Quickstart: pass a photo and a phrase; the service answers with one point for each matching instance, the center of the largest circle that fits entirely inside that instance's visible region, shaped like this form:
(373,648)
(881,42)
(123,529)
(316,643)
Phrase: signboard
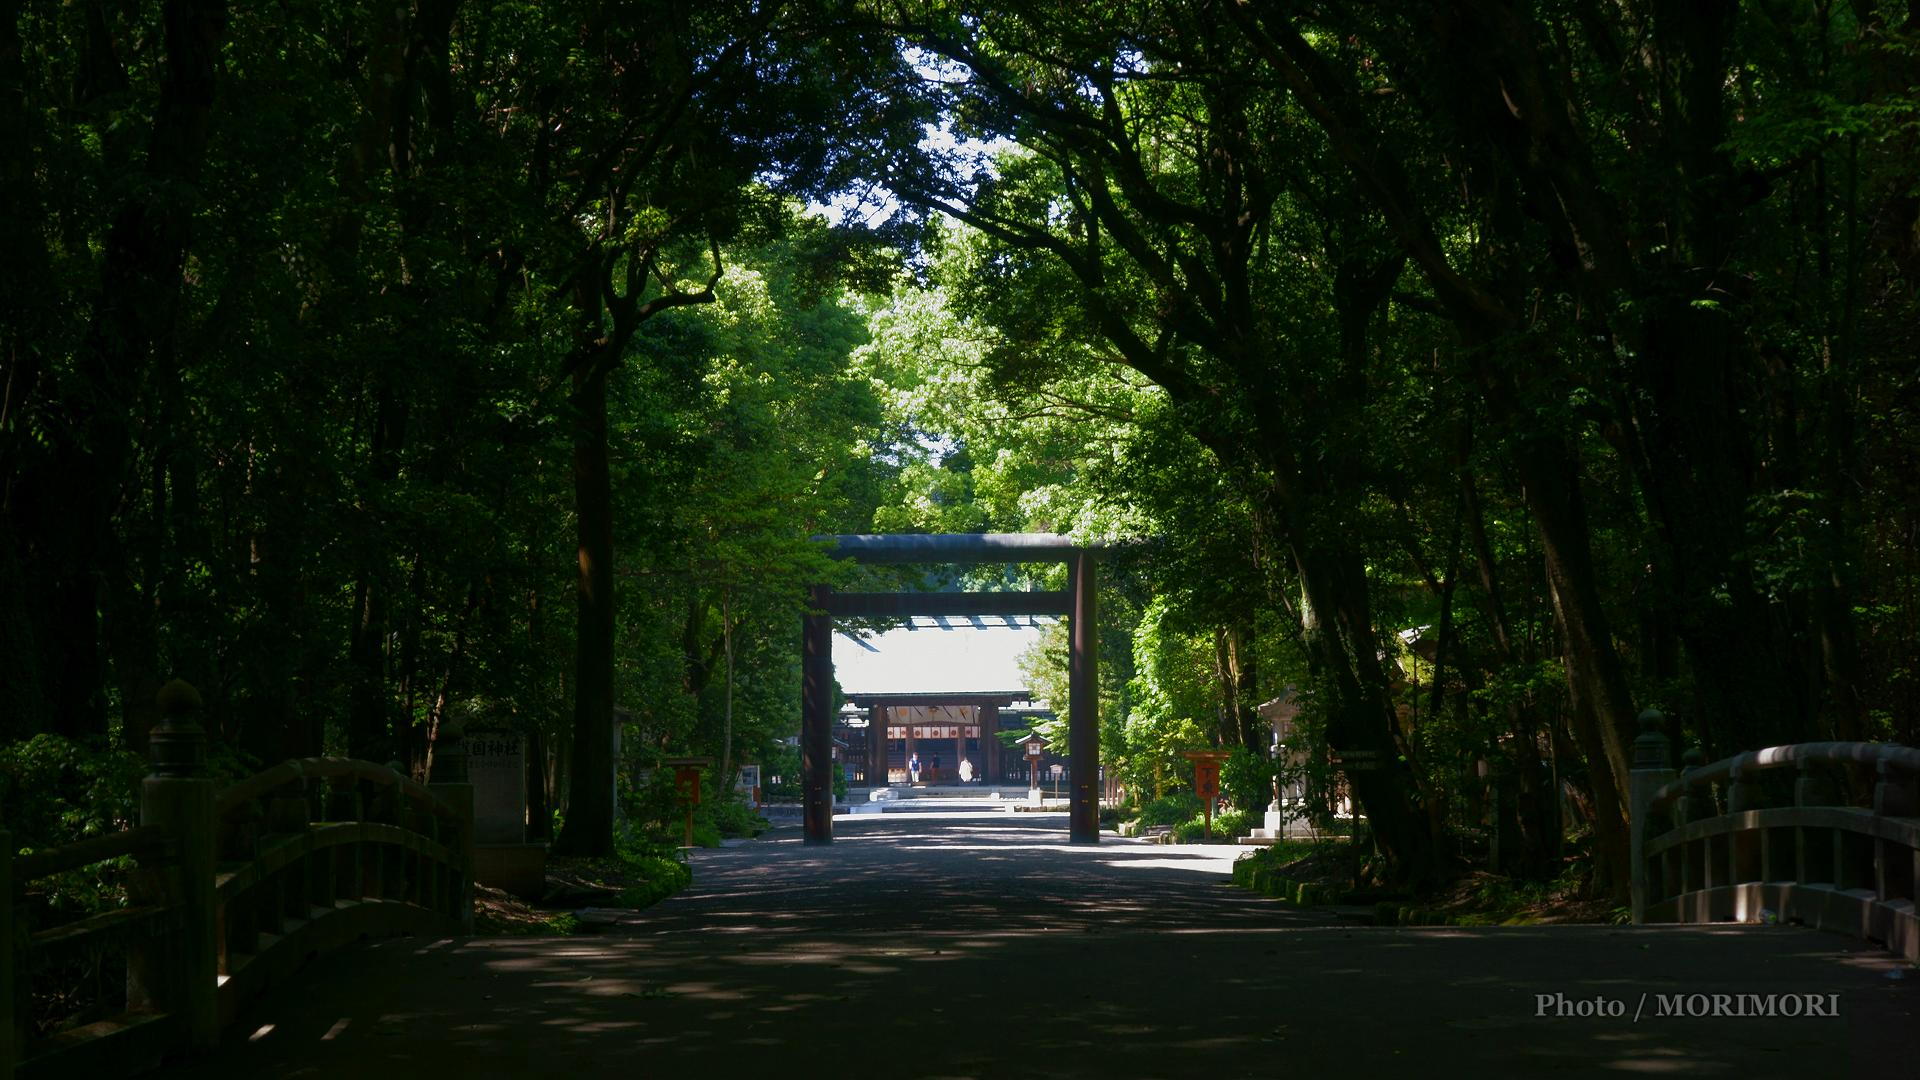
(1056,770)
(921,715)
(1357,760)
(1206,780)
(686,780)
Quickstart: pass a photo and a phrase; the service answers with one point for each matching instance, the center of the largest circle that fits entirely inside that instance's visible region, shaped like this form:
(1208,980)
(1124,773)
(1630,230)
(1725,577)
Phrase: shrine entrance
(1076,603)
(944,729)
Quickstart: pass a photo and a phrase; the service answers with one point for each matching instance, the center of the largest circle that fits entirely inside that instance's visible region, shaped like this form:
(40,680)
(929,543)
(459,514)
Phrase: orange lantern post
(686,777)
(1206,779)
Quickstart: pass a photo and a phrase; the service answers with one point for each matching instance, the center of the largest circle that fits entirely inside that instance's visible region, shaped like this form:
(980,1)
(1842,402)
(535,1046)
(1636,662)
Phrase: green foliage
(1225,827)
(655,816)
(1172,809)
(664,877)
(1284,853)
(781,764)
(1246,779)
(657,867)
(323,466)
(733,818)
(59,790)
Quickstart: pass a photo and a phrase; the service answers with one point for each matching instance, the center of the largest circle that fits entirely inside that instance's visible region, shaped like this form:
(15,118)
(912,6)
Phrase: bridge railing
(230,893)
(1826,834)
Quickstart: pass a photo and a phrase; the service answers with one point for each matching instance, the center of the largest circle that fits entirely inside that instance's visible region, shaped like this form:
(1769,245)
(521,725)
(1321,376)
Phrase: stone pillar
(816,721)
(1083,703)
(876,746)
(1893,796)
(452,785)
(179,973)
(1652,770)
(990,744)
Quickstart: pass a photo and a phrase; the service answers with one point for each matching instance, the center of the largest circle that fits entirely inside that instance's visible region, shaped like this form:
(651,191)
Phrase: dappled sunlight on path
(982,945)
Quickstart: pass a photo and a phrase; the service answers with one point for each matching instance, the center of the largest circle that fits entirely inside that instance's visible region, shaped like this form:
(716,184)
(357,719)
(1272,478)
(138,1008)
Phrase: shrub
(1225,826)
(783,763)
(662,877)
(655,810)
(54,791)
(58,790)
(732,818)
(656,869)
(1246,779)
(1170,809)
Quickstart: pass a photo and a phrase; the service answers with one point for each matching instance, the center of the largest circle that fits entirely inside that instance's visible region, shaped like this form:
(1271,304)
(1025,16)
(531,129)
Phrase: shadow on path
(972,944)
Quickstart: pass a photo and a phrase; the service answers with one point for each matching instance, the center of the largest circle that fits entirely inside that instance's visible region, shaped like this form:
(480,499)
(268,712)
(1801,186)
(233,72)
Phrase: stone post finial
(177,747)
(450,754)
(1652,747)
(1692,759)
(1893,792)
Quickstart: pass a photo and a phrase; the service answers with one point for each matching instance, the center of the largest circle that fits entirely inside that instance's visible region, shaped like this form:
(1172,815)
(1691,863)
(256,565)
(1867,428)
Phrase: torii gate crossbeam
(1076,603)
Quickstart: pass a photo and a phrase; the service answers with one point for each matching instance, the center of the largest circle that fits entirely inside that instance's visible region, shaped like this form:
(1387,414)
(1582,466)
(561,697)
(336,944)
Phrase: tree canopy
(1482,374)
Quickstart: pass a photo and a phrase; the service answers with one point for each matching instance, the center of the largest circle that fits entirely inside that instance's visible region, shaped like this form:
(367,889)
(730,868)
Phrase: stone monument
(497,768)
(502,857)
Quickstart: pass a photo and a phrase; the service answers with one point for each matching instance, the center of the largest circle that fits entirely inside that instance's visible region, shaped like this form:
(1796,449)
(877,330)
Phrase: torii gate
(1076,603)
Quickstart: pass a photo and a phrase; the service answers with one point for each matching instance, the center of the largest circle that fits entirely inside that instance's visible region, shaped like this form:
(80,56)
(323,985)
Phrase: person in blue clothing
(913,769)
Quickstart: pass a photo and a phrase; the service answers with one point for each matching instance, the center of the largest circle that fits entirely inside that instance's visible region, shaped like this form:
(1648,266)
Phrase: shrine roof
(957,697)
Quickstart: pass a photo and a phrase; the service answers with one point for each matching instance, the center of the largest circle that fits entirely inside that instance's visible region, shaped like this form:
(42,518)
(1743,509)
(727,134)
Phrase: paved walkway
(976,944)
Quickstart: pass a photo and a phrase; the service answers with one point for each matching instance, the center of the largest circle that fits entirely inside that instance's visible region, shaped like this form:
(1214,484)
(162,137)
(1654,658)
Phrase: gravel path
(979,944)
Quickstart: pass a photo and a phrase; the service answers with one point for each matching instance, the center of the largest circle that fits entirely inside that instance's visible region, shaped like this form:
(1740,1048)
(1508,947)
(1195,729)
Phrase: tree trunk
(369,717)
(589,825)
(1594,673)
(1345,654)
(1609,812)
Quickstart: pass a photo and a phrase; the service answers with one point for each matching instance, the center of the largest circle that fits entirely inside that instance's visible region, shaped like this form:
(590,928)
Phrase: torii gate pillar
(1083,703)
(816,722)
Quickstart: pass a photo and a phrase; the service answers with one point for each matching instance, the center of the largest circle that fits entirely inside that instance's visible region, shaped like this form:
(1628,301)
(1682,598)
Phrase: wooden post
(180,974)
(990,765)
(453,787)
(1083,703)
(816,722)
(876,747)
(1652,770)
